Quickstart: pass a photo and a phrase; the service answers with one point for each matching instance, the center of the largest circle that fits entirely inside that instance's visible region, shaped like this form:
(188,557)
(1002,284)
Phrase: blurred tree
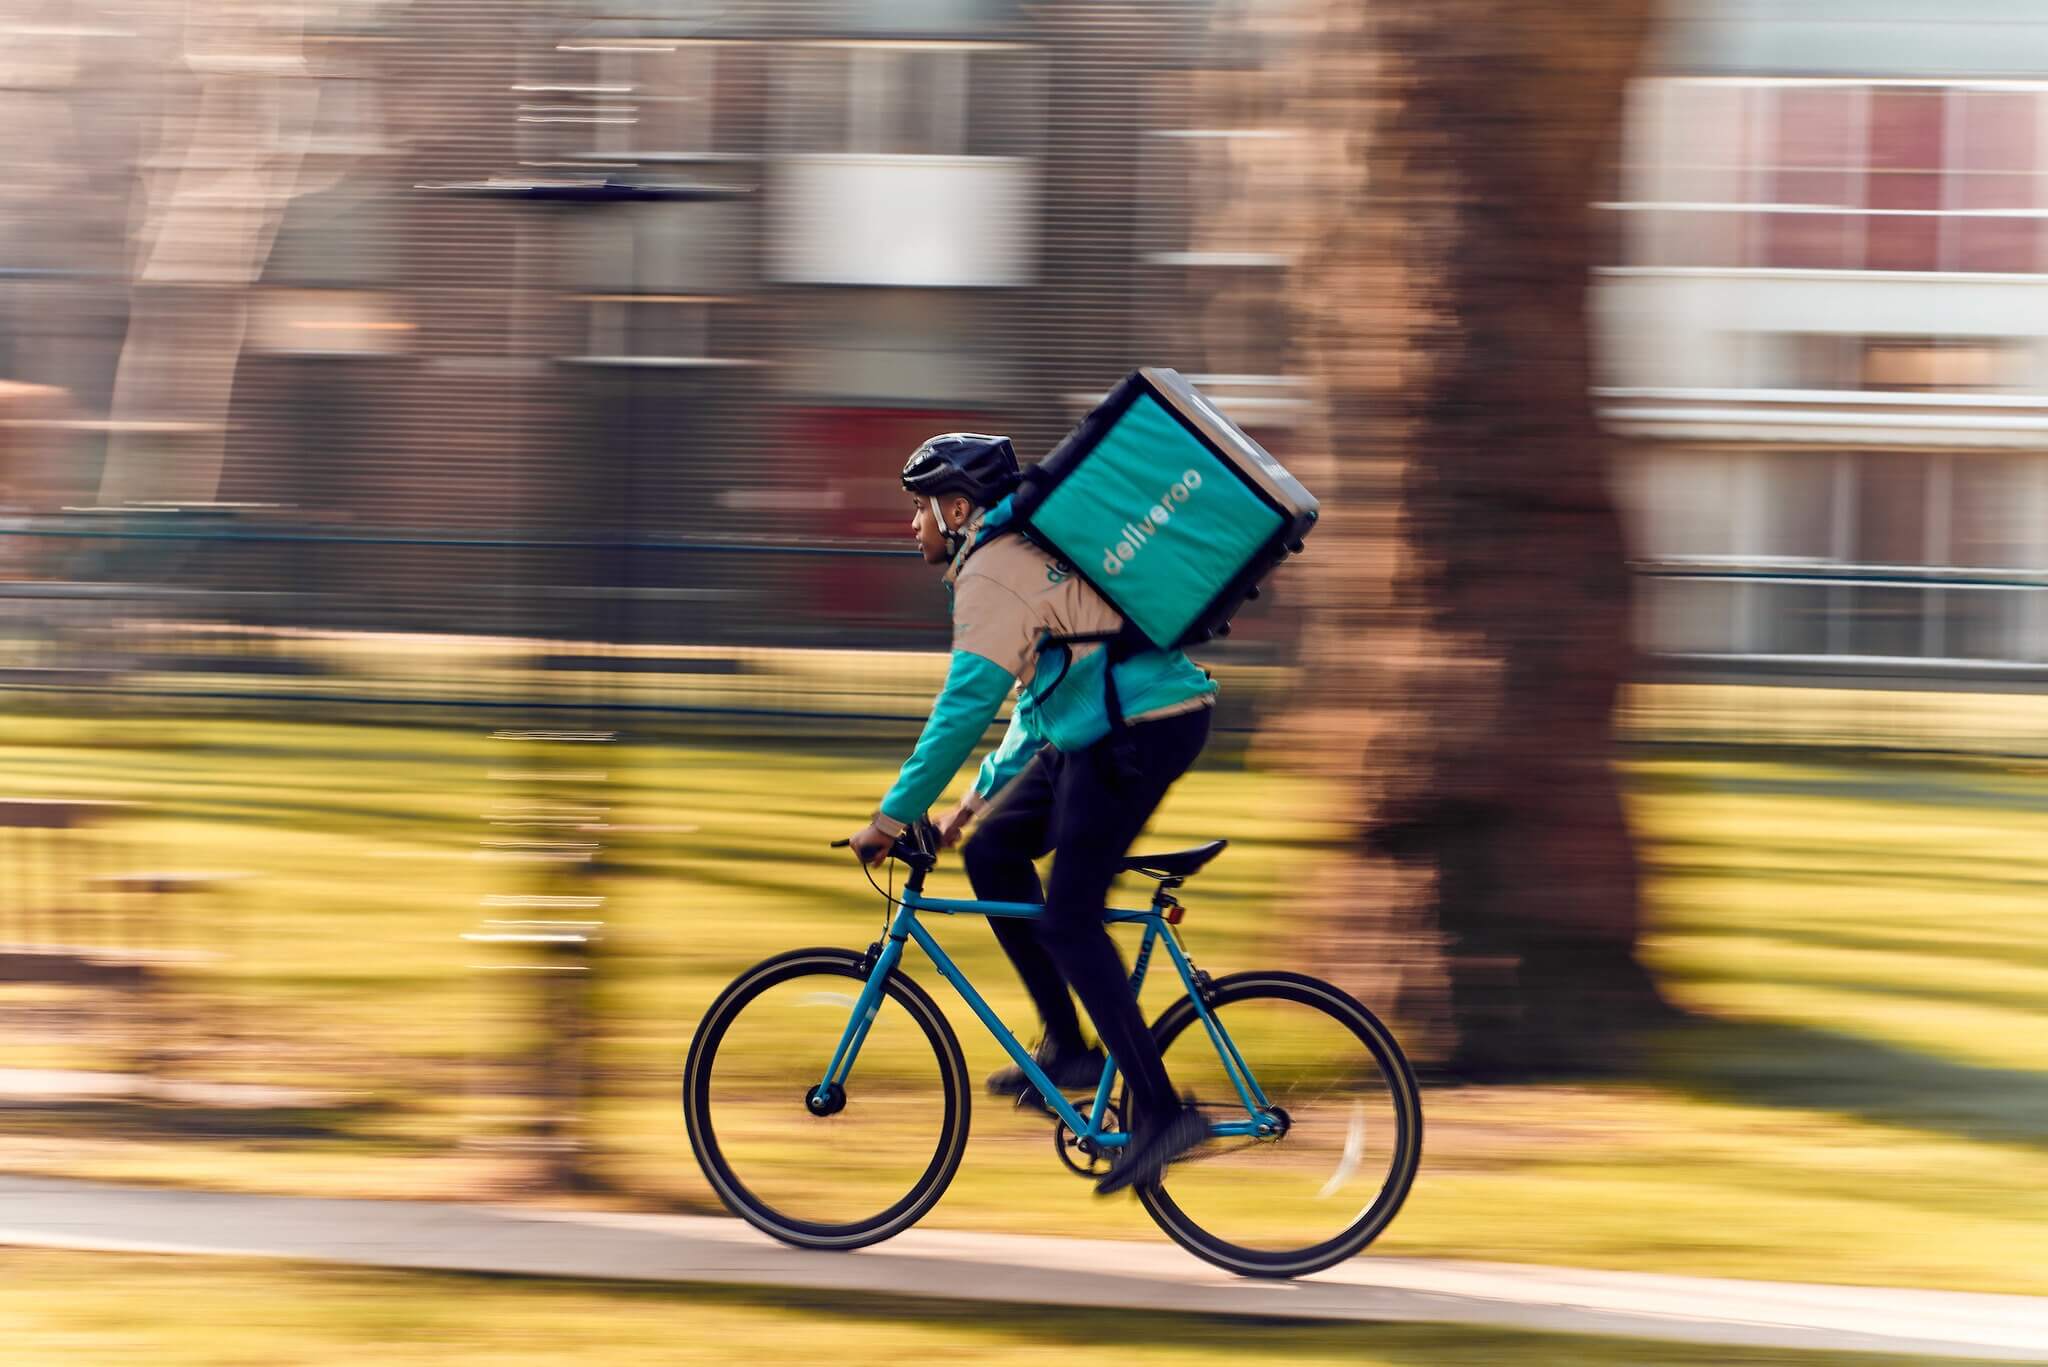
(1473,609)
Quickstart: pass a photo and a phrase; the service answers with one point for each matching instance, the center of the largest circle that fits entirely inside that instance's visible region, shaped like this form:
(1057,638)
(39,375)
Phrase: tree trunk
(1474,611)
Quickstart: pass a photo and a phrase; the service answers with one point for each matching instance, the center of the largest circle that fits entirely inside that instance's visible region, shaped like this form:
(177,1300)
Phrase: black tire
(950,1135)
(1383,1075)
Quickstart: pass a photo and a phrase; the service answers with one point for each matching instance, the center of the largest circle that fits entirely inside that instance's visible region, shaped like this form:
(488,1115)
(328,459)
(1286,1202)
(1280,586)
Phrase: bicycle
(802,1148)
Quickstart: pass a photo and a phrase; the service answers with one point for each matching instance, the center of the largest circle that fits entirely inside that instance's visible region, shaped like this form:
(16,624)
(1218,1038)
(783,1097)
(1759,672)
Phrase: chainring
(1081,1157)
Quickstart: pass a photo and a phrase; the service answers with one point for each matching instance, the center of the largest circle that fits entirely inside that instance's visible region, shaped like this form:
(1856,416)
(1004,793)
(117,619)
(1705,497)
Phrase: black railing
(197,613)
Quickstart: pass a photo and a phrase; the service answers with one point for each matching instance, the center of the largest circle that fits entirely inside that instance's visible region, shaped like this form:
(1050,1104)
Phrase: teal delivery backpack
(1165,508)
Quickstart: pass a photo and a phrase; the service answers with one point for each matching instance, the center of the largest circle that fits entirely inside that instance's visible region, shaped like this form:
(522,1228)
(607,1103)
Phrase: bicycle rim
(869,1170)
(1333,1181)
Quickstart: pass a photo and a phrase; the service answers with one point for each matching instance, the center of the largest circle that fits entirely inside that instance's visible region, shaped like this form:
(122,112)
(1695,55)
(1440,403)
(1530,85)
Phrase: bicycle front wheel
(883,1151)
(1351,1136)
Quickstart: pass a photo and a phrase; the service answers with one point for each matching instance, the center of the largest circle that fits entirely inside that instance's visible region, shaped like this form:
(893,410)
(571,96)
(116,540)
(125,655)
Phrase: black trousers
(1085,808)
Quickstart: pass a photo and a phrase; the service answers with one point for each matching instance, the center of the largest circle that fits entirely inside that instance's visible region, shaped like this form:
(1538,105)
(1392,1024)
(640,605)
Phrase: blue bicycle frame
(1260,1121)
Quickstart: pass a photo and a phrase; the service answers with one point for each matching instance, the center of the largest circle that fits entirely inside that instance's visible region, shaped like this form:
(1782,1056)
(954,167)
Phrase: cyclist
(1069,781)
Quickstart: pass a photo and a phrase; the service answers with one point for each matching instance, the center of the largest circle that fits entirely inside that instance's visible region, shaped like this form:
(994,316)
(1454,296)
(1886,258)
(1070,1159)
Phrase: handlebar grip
(841,844)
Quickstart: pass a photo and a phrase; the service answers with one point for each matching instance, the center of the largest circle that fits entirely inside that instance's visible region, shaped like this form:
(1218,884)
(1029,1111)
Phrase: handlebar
(918,846)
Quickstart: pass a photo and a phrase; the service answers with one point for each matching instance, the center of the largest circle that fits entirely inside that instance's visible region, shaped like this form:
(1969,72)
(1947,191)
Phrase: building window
(1994,524)
(1855,554)
(1935,365)
(1941,364)
(885,98)
(883,349)
(661,101)
(1834,175)
(1219,209)
(905,163)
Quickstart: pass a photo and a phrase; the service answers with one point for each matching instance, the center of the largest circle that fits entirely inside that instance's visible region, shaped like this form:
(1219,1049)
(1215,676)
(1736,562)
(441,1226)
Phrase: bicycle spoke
(1327,1184)
(879,1147)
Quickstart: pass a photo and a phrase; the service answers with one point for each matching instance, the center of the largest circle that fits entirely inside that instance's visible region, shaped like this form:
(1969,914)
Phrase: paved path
(49,1213)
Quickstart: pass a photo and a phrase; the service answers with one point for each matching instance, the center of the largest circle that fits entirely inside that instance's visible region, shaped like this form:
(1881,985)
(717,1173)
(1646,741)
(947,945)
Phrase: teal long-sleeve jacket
(1009,596)
(973,694)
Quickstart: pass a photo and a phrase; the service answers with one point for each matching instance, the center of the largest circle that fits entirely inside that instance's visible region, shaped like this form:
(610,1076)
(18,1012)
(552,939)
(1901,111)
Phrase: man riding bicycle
(1071,776)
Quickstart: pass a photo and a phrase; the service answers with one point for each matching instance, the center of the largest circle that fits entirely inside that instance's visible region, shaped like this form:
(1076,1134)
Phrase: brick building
(851,223)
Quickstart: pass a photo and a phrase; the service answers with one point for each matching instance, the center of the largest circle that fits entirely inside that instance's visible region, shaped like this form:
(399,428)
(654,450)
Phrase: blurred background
(449,522)
(378,317)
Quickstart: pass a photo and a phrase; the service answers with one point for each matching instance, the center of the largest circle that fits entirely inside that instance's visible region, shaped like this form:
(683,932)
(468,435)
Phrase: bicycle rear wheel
(876,1162)
(1331,1182)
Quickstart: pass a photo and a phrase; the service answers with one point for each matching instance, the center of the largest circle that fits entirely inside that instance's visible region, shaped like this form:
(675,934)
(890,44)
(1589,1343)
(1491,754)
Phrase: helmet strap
(954,539)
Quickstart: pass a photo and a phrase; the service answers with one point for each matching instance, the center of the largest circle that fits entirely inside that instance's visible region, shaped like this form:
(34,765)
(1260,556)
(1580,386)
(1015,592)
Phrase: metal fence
(222,609)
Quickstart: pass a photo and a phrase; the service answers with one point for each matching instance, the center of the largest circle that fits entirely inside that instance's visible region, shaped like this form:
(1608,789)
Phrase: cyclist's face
(931,537)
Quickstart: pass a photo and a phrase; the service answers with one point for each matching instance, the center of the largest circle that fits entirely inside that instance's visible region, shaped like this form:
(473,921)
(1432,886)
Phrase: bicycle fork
(830,1094)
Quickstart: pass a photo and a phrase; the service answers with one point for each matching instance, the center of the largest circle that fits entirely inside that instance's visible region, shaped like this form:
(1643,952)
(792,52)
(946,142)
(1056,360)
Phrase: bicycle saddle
(1177,864)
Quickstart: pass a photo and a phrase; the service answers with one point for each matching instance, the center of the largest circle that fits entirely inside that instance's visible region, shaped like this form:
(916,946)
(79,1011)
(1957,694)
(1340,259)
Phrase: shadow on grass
(1761,1063)
(1867,877)
(1953,948)
(1881,787)
(1942,777)
(994,1331)
(136,1118)
(179,1311)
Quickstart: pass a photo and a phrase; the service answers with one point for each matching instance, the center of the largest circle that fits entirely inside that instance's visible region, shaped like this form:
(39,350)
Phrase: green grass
(386,668)
(185,1313)
(1865,1098)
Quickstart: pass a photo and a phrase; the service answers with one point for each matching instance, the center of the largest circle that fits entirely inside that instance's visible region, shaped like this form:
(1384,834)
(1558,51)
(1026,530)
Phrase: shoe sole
(1126,1183)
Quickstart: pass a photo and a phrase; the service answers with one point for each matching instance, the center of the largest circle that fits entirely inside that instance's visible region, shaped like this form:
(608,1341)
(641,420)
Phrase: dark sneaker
(1069,1071)
(1152,1147)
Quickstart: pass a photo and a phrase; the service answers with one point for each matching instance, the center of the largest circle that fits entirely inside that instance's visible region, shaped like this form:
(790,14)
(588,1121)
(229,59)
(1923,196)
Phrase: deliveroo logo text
(1136,534)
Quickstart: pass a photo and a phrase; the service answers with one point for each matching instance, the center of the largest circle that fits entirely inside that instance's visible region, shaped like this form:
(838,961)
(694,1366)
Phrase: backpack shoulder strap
(1120,645)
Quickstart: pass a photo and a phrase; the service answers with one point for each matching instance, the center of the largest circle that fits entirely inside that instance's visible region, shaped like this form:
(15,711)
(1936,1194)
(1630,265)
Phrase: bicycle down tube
(904,926)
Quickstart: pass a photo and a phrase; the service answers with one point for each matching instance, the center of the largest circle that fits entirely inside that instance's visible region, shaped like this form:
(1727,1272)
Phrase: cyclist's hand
(871,843)
(953,825)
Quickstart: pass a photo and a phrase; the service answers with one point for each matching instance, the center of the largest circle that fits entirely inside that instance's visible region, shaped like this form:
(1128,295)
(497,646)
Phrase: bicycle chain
(1208,1151)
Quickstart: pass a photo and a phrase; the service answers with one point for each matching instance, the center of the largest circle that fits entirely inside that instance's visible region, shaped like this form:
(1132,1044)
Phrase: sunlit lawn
(1866,1099)
(63,1307)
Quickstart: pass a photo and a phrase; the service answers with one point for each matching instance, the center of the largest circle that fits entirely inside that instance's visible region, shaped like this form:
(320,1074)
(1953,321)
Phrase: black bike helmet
(983,468)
